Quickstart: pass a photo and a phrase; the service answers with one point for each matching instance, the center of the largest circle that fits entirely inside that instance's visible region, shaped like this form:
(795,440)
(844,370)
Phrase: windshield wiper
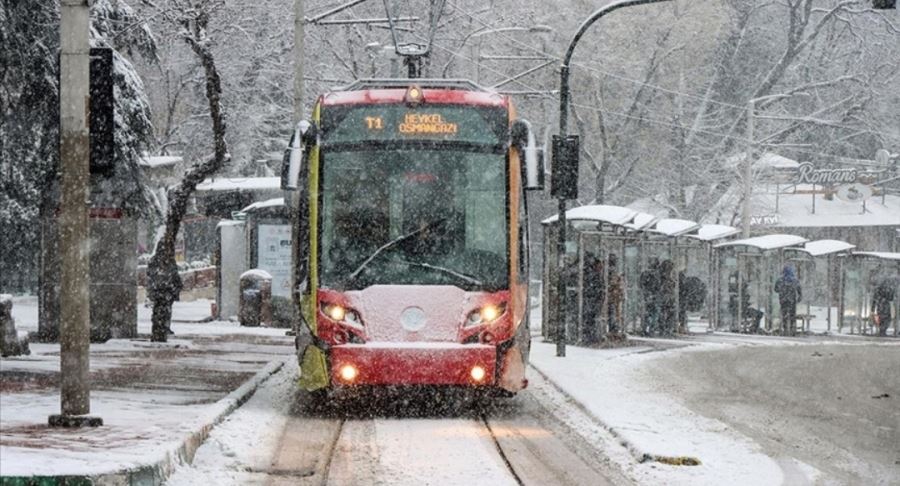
(387,246)
(468,278)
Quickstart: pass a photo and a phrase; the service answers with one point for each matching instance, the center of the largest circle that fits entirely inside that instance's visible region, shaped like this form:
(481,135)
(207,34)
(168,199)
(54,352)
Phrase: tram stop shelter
(818,269)
(862,273)
(695,254)
(747,270)
(599,245)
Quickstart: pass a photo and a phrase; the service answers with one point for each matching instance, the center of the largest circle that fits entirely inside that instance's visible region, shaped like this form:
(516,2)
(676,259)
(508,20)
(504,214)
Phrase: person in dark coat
(649,284)
(592,298)
(881,304)
(615,296)
(788,289)
(691,296)
(667,285)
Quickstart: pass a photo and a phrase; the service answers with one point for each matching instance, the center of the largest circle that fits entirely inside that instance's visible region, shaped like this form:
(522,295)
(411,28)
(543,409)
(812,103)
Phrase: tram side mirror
(522,137)
(303,138)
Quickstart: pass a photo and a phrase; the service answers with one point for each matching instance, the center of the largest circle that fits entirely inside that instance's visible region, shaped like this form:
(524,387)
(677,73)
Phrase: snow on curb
(610,388)
(639,455)
(155,473)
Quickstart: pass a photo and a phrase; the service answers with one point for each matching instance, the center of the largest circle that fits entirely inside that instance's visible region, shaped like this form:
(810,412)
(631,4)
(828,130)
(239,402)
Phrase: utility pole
(294,203)
(748,166)
(299,22)
(74,232)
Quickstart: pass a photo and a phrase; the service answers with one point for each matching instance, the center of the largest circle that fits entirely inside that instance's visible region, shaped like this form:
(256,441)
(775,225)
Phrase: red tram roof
(442,96)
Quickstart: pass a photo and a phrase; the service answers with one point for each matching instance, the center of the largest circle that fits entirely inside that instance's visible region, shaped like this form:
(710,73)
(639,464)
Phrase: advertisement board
(274,256)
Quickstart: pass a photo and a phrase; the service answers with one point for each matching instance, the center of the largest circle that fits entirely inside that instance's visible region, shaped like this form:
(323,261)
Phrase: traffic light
(564,173)
(102,117)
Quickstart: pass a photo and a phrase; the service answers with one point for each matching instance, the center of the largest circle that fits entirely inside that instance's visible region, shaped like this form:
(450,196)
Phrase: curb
(155,473)
(639,455)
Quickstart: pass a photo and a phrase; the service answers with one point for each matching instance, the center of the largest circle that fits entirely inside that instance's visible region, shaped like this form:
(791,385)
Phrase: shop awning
(767,242)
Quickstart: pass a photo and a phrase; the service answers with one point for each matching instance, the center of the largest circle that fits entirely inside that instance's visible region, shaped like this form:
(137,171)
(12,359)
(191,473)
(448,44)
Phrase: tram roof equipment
(424,83)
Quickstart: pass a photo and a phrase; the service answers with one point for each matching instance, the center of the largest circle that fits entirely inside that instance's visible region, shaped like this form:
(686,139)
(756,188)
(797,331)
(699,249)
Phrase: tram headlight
(343,315)
(349,373)
(478,373)
(486,314)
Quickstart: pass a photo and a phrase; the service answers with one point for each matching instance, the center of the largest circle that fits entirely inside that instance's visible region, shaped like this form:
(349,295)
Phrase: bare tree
(191,21)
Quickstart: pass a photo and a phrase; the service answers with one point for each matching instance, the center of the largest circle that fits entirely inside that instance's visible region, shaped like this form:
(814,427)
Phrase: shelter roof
(240,184)
(160,161)
(710,232)
(767,242)
(641,221)
(269,203)
(616,215)
(229,222)
(675,227)
(826,247)
(884,255)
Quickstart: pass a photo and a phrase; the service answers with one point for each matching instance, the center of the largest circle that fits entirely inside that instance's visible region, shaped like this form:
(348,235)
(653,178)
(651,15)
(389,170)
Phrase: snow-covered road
(431,439)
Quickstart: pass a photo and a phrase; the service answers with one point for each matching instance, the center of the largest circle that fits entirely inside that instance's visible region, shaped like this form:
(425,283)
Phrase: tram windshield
(407,216)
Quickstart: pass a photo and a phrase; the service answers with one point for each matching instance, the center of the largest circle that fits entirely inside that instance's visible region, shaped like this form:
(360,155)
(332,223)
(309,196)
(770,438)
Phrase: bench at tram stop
(805,321)
(255,307)
(10,342)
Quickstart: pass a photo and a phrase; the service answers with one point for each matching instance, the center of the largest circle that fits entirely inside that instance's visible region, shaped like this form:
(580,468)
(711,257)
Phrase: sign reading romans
(808,174)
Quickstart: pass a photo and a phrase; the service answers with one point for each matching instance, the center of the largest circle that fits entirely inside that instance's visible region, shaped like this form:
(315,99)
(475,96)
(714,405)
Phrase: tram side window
(484,206)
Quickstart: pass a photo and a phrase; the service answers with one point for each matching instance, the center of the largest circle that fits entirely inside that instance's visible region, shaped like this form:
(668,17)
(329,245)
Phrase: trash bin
(255,298)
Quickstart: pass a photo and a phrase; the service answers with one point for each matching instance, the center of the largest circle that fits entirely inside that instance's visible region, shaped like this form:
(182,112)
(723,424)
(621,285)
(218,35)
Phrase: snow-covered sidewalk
(611,388)
(158,401)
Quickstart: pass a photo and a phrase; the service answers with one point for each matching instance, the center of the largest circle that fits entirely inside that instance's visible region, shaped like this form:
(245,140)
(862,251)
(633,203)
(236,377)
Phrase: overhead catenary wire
(655,121)
(590,68)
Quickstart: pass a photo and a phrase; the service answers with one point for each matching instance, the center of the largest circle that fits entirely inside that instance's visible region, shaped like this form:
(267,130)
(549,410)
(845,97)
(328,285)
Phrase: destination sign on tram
(400,122)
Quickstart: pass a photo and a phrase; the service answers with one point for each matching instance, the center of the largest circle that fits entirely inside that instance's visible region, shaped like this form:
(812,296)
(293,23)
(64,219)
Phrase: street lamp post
(569,146)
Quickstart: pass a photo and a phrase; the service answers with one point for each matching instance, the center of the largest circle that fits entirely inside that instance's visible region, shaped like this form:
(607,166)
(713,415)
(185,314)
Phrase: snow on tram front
(412,236)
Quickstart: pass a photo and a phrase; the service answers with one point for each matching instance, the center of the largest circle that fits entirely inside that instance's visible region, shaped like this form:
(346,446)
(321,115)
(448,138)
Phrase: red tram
(412,236)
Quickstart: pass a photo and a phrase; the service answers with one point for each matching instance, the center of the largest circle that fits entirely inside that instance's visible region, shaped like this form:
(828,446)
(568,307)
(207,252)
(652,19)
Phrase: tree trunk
(164,283)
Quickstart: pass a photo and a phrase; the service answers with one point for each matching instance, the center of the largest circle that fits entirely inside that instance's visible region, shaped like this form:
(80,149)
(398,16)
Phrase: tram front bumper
(416,363)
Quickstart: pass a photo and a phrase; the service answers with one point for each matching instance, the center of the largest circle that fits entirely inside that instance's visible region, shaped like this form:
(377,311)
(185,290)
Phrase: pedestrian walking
(881,304)
(789,293)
